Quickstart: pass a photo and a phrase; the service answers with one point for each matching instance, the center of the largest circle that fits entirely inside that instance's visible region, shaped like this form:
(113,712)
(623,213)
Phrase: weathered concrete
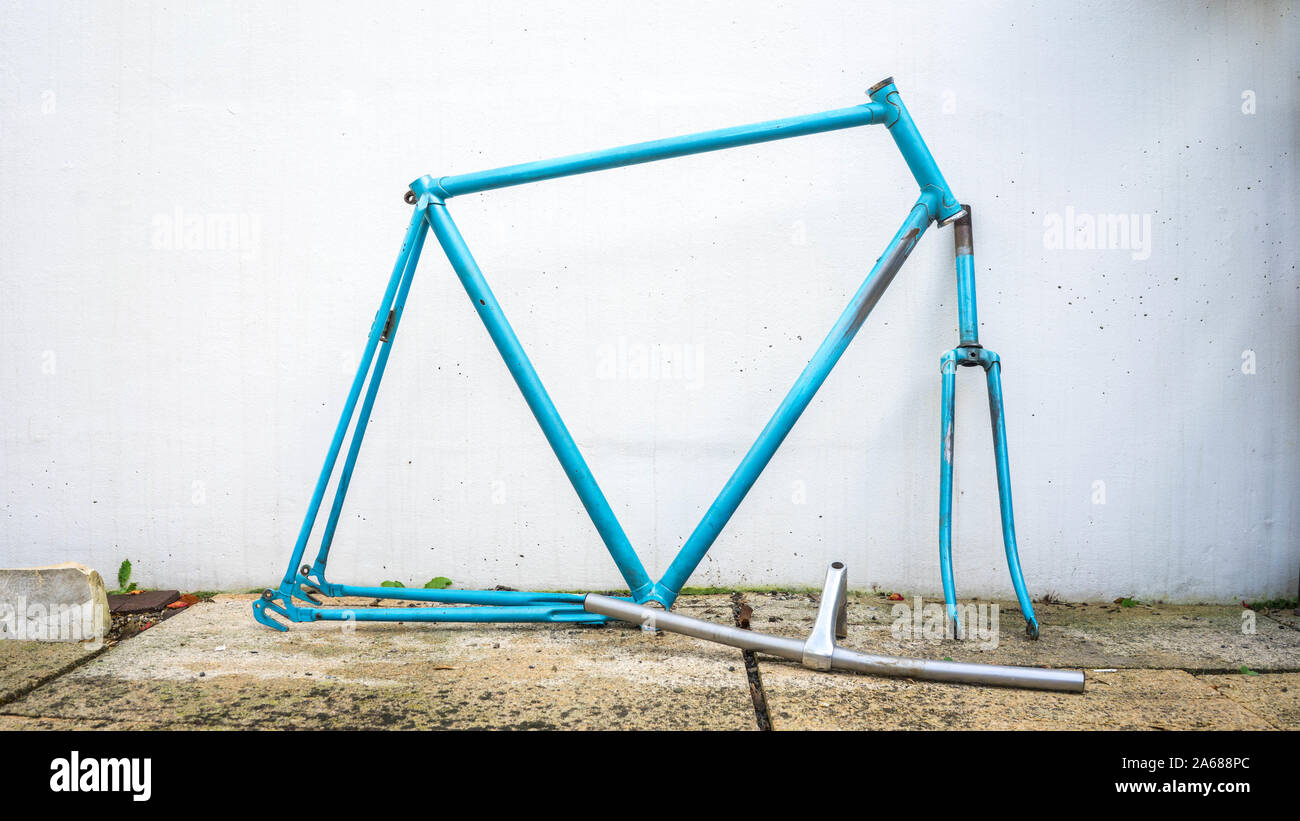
(1177,669)
(15,722)
(1288,617)
(1166,641)
(1187,637)
(61,602)
(801,699)
(26,664)
(1274,697)
(401,676)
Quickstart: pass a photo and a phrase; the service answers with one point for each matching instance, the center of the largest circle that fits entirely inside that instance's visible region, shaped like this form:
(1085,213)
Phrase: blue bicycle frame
(297,596)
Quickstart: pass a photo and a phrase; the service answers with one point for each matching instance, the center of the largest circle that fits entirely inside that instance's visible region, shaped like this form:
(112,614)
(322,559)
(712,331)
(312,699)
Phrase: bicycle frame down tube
(796,401)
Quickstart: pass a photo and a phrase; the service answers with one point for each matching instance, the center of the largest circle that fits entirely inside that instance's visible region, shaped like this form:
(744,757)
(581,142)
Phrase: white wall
(172,404)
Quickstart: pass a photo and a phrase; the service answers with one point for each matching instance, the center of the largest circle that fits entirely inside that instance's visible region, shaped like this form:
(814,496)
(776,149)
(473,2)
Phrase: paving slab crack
(10,696)
(1256,713)
(741,612)
(1232,671)
(1238,702)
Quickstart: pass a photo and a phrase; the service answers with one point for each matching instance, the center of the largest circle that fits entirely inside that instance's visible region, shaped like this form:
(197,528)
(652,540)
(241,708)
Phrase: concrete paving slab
(801,699)
(26,664)
(1273,696)
(12,723)
(1288,618)
(1202,638)
(213,666)
(1095,637)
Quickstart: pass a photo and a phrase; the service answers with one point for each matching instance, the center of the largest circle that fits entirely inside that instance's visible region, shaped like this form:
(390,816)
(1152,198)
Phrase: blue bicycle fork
(297,597)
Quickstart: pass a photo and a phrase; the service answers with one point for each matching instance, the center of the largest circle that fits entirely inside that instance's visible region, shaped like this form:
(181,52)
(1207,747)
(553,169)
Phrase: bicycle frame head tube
(914,150)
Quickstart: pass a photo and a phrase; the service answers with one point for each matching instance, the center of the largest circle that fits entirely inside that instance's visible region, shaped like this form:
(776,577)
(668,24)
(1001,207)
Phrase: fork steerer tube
(968,319)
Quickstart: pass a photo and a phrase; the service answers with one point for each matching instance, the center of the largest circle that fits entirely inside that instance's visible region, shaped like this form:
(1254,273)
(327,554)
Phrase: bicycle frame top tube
(886,107)
(637,153)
